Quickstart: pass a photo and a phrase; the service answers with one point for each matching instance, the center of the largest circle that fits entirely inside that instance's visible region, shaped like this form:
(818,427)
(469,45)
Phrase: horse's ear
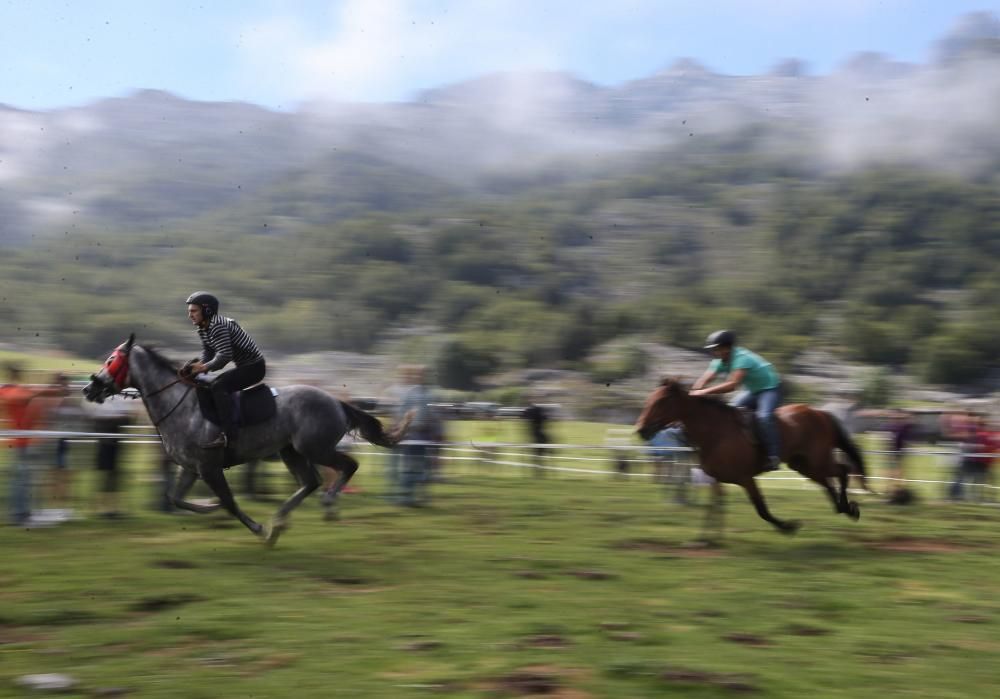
(131,341)
(666,381)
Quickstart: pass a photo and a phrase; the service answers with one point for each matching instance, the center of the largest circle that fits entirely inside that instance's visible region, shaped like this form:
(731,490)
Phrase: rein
(180,379)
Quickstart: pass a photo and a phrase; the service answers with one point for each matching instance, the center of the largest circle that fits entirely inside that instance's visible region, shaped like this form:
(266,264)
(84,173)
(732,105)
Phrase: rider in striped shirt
(223,341)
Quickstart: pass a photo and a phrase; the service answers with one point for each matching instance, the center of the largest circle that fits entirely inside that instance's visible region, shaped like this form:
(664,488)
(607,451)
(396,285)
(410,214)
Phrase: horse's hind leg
(802,466)
(215,479)
(345,466)
(785,527)
(848,507)
(308,480)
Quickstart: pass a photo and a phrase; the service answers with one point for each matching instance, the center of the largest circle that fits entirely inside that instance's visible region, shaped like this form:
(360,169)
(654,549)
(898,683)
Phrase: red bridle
(117,367)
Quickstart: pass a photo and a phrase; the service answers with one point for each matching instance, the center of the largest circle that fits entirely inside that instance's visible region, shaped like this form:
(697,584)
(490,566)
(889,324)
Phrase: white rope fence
(510,453)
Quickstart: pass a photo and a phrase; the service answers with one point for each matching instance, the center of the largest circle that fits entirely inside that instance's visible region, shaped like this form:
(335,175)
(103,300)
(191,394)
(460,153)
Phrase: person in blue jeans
(739,368)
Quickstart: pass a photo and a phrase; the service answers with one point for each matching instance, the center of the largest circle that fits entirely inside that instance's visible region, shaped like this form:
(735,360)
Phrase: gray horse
(305,429)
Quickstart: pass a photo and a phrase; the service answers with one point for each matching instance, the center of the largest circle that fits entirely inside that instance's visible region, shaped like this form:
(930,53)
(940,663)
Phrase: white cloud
(376,50)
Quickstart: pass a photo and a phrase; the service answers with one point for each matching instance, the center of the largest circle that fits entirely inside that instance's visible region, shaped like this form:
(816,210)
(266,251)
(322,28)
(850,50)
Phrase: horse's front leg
(216,480)
(785,527)
(183,485)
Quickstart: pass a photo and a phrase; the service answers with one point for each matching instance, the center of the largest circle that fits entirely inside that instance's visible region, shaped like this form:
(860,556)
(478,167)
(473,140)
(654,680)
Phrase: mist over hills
(153,159)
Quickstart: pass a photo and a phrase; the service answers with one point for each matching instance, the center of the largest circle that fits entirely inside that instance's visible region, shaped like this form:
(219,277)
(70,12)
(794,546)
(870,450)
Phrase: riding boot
(224,408)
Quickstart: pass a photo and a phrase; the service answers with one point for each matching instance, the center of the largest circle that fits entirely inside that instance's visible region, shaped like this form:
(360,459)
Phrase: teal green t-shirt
(760,373)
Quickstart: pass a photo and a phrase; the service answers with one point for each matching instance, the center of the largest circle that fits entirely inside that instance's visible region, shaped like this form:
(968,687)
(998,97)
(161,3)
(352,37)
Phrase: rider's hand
(197,368)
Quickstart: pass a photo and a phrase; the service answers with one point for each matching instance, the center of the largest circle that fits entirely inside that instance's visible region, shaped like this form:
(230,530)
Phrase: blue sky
(279,53)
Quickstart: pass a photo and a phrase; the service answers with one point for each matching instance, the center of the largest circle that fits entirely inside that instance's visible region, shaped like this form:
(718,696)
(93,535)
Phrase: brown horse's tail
(371,428)
(847,445)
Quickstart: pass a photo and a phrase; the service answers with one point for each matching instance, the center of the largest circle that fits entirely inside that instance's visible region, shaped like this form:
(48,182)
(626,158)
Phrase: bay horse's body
(305,429)
(728,454)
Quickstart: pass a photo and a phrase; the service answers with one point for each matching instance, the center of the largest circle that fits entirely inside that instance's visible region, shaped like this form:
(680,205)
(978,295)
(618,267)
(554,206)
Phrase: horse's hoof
(274,531)
(853,511)
(790,527)
(330,515)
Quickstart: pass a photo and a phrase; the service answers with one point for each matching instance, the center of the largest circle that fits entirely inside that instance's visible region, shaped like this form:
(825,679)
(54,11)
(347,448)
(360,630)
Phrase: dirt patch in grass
(275,661)
(628,636)
(538,680)
(66,617)
(343,580)
(174,564)
(907,544)
(970,619)
(747,639)
(161,603)
(544,640)
(730,682)
(592,574)
(530,575)
(668,549)
(803,630)
(421,644)
(12,633)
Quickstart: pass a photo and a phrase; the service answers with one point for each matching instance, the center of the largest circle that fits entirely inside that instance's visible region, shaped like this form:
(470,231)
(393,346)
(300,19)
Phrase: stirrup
(219,442)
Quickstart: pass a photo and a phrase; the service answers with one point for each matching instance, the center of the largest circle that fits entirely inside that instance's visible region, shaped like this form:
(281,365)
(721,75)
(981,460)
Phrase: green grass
(584,583)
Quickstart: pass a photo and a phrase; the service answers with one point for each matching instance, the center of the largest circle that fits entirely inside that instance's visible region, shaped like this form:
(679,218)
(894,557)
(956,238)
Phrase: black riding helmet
(720,338)
(209,304)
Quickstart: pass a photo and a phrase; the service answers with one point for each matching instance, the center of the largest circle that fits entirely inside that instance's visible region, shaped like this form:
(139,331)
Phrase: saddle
(251,406)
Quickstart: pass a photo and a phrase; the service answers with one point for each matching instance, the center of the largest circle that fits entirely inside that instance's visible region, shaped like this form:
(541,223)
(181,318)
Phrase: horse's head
(662,408)
(113,376)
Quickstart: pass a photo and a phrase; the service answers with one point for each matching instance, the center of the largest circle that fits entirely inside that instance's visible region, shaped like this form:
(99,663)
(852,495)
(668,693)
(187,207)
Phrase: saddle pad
(253,405)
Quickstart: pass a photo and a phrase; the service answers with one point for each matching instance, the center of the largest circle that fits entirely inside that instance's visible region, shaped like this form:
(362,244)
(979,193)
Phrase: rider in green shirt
(738,367)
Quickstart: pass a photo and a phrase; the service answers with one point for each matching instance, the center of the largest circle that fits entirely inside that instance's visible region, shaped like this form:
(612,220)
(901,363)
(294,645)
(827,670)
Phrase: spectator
(901,432)
(393,398)
(66,415)
(978,447)
(537,419)
(415,470)
(110,417)
(24,408)
(671,466)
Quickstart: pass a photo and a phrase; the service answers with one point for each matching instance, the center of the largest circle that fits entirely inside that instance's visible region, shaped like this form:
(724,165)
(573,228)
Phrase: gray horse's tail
(847,445)
(371,428)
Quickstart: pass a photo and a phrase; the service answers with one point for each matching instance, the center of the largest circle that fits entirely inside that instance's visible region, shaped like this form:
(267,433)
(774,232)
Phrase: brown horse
(728,454)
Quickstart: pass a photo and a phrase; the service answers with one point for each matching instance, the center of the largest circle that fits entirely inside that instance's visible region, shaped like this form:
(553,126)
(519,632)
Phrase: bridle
(117,368)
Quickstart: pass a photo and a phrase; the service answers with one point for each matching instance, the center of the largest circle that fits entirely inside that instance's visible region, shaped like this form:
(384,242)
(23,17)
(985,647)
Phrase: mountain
(152,160)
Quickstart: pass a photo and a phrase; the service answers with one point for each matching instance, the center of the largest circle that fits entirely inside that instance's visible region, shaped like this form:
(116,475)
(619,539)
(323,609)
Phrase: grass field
(508,585)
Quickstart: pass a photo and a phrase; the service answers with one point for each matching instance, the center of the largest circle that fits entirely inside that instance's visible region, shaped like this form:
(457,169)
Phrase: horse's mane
(709,402)
(163,361)
(719,406)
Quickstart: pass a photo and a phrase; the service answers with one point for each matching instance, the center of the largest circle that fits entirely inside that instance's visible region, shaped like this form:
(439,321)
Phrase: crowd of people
(41,467)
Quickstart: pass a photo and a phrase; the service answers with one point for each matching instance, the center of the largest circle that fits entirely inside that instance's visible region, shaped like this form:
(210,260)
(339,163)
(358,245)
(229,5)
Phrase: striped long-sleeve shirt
(224,341)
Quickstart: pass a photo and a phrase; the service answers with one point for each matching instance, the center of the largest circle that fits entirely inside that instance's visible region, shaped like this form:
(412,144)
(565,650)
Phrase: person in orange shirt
(24,408)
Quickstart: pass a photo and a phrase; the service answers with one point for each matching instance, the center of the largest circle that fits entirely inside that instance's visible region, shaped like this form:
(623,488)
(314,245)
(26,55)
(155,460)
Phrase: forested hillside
(890,266)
